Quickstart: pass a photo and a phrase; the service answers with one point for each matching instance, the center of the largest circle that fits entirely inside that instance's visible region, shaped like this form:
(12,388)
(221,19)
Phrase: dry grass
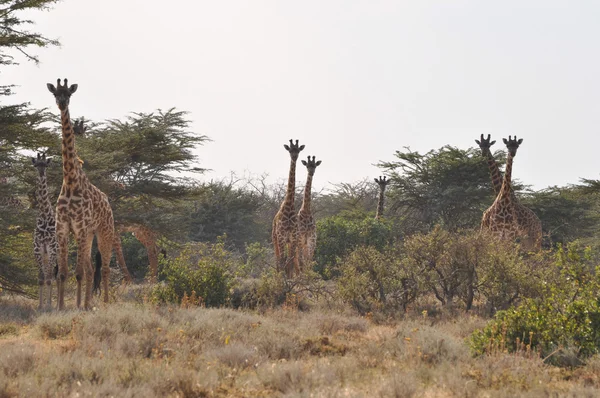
(132,349)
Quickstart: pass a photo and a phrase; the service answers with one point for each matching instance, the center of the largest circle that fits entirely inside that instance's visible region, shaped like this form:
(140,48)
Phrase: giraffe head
(62,93)
(311,165)
(512,144)
(41,163)
(485,144)
(79,128)
(294,149)
(382,182)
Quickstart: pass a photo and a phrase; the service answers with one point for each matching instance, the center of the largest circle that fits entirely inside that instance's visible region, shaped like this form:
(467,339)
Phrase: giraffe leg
(39,260)
(62,237)
(120,258)
(105,246)
(279,247)
(153,260)
(41,283)
(84,267)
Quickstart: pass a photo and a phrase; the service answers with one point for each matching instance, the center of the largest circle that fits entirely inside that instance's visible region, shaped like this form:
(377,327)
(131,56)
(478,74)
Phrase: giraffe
(525,217)
(45,246)
(507,217)
(382,182)
(81,208)
(307,229)
(485,145)
(79,129)
(148,238)
(285,221)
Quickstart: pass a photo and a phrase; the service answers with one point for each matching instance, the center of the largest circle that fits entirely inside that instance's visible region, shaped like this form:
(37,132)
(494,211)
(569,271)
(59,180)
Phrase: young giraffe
(506,217)
(45,247)
(382,182)
(147,237)
(526,219)
(307,229)
(82,209)
(285,221)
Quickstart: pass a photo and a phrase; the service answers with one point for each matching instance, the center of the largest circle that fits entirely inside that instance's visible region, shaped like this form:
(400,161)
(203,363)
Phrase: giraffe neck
(494,172)
(307,193)
(44,205)
(506,190)
(380,203)
(69,155)
(291,187)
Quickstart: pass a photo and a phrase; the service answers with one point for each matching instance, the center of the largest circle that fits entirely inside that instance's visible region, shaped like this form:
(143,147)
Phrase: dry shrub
(333,323)
(17,360)
(8,329)
(403,385)
(55,325)
(423,343)
(294,377)
(16,311)
(235,355)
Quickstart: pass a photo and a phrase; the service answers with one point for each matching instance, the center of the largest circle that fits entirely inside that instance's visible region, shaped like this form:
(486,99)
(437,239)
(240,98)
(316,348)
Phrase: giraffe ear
(51,88)
(48,160)
(505,141)
(301,148)
(318,163)
(73,88)
(304,162)
(33,161)
(492,143)
(520,140)
(478,142)
(287,148)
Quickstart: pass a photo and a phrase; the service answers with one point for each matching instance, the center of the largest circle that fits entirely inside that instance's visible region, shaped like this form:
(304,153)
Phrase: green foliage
(14,36)
(259,259)
(203,268)
(566,315)
(338,236)
(375,280)
(463,264)
(136,162)
(567,213)
(221,208)
(448,186)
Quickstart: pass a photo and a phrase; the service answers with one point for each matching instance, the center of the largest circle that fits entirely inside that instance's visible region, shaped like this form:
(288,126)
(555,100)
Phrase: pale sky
(352,80)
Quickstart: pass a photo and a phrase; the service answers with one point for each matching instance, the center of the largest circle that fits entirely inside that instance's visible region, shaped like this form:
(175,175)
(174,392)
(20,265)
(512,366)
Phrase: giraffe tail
(97,273)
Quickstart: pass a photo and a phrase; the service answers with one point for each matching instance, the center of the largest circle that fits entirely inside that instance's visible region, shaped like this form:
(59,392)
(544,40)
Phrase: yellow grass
(133,349)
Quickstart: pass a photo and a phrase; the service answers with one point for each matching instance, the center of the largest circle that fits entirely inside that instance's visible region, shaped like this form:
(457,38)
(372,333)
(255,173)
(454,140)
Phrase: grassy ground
(132,349)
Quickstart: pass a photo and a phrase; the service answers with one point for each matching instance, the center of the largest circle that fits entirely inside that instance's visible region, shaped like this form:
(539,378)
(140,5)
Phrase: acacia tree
(448,186)
(20,128)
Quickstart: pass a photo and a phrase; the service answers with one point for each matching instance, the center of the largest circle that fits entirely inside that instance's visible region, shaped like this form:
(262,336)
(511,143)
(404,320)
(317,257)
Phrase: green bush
(338,236)
(376,280)
(203,268)
(566,315)
(468,264)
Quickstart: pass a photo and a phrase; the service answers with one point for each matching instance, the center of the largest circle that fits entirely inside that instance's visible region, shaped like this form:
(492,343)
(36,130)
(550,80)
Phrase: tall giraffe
(307,229)
(485,145)
(79,129)
(285,221)
(507,217)
(45,246)
(82,209)
(382,182)
(525,217)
